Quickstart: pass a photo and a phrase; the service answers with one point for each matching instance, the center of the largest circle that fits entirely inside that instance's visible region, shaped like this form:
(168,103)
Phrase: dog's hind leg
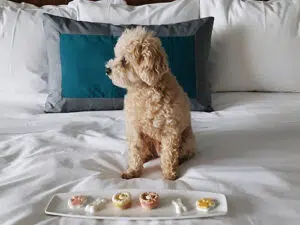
(188,145)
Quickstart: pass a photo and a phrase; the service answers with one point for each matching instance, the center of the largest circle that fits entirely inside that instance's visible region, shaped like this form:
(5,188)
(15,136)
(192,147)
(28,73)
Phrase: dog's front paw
(171,175)
(130,174)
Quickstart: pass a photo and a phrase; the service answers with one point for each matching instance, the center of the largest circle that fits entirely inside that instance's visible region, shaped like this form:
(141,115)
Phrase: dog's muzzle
(108,71)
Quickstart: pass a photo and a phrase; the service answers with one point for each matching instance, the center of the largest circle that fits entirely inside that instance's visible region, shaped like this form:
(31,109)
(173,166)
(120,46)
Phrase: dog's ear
(152,61)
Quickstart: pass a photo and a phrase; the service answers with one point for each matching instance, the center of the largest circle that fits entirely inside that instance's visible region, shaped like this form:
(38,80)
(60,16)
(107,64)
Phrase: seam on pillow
(11,61)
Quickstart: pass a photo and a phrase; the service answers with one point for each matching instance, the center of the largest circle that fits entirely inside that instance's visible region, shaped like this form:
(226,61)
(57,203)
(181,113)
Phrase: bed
(248,149)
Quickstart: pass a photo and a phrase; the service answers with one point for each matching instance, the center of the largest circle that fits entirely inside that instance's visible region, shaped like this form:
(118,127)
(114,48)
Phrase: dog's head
(139,59)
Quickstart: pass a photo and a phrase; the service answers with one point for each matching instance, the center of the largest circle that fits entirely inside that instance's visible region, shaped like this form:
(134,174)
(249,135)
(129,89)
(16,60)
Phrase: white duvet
(249,149)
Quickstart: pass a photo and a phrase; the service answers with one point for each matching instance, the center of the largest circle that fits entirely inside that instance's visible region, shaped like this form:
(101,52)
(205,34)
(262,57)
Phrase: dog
(157,110)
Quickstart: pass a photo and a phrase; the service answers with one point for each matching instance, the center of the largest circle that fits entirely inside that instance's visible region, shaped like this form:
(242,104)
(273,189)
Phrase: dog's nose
(108,71)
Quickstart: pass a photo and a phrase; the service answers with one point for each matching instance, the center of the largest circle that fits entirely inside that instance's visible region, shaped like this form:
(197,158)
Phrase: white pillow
(152,14)
(255,45)
(23,61)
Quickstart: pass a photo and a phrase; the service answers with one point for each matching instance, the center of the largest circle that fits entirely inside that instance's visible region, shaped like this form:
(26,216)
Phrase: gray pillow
(77,52)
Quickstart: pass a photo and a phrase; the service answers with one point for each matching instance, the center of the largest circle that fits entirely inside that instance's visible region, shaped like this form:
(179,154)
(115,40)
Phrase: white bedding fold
(248,150)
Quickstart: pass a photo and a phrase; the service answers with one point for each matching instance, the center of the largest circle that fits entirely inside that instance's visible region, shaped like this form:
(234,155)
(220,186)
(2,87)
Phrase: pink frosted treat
(77,201)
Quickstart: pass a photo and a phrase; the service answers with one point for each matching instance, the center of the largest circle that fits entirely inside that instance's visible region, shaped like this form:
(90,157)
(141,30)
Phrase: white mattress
(248,149)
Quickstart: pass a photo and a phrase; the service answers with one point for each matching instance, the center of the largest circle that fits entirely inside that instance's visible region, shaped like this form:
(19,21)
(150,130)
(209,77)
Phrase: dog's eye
(123,61)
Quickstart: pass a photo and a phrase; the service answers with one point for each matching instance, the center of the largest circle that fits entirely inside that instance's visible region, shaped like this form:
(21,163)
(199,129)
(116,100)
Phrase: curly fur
(157,109)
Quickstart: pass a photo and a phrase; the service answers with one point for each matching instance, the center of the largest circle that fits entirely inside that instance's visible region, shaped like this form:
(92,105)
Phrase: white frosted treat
(96,205)
(179,206)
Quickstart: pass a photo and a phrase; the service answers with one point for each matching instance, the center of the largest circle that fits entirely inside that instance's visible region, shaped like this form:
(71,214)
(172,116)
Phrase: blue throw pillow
(78,52)
(82,66)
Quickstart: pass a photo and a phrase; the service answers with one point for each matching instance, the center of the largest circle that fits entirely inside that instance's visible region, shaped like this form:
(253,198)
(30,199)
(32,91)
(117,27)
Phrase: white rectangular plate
(58,205)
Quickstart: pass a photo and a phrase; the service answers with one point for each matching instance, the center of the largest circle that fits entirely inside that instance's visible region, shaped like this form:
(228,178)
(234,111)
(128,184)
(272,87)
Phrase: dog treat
(206,204)
(179,206)
(122,200)
(77,201)
(96,205)
(149,200)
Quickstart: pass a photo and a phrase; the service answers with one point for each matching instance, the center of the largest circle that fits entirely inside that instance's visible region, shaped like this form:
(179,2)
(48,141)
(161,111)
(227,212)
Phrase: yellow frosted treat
(122,200)
(206,204)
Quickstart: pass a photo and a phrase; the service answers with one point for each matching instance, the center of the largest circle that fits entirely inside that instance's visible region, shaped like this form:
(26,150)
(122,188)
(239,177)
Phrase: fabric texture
(151,14)
(198,32)
(249,151)
(255,45)
(23,58)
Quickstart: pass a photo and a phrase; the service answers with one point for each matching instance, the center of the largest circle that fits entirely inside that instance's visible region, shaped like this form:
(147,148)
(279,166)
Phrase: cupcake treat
(206,204)
(77,201)
(95,206)
(179,206)
(149,200)
(122,200)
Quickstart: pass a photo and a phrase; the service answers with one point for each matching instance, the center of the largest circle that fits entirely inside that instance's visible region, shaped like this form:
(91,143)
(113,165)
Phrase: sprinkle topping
(206,203)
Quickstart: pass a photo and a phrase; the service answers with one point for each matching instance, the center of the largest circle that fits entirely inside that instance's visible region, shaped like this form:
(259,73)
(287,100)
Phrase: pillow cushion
(255,45)
(152,14)
(78,51)
(23,58)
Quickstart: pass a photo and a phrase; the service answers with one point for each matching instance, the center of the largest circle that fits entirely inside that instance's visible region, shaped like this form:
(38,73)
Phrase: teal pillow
(83,58)
(82,65)
(78,51)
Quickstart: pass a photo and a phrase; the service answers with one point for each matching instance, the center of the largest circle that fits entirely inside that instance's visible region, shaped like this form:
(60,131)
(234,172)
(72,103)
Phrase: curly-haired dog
(157,109)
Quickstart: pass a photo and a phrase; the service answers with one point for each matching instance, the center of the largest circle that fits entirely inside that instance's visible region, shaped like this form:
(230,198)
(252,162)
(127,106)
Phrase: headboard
(44,2)
(61,2)
(141,2)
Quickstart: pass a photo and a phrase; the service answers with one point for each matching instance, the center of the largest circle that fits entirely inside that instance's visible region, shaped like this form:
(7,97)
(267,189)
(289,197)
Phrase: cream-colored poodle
(157,110)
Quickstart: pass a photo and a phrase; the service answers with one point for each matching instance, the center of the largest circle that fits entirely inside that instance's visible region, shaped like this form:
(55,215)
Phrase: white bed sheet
(248,149)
